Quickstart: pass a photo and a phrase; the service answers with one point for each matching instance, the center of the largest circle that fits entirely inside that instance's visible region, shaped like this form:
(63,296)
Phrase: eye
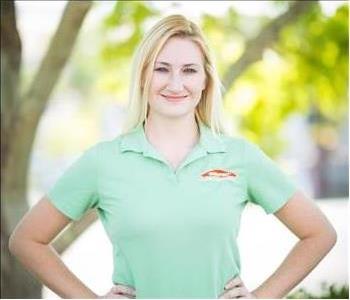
(190,70)
(161,69)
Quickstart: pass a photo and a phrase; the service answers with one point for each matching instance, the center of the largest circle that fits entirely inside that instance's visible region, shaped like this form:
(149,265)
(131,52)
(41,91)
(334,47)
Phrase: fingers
(124,290)
(236,281)
(111,295)
(118,296)
(233,293)
(234,288)
(236,292)
(122,296)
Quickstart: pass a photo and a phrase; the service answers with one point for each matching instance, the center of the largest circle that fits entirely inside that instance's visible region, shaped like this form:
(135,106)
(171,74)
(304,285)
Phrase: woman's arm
(317,237)
(30,243)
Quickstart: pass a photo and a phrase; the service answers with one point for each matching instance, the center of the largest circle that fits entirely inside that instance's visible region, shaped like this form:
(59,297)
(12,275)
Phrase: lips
(174,98)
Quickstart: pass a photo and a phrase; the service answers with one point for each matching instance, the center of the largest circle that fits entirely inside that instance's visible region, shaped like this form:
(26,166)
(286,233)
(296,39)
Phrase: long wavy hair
(210,107)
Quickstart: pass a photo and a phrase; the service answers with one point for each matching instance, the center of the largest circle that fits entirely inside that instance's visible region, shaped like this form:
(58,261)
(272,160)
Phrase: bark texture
(20,115)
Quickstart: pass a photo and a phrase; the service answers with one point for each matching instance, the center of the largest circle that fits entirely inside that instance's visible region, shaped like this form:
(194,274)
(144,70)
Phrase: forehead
(180,51)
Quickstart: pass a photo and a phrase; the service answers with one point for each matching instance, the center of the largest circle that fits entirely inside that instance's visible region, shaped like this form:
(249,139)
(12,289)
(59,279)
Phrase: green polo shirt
(173,232)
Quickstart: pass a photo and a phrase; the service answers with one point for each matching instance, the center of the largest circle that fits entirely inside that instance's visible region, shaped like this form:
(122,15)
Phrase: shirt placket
(197,152)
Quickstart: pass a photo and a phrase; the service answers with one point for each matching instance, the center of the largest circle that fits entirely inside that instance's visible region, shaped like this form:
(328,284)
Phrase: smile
(174,98)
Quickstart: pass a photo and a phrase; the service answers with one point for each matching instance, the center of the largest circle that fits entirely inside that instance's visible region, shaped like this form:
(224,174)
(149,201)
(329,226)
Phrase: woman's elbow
(329,237)
(326,238)
(333,237)
(13,243)
(16,243)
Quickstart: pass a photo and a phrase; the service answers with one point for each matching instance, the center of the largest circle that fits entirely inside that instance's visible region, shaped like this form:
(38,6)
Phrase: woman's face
(178,79)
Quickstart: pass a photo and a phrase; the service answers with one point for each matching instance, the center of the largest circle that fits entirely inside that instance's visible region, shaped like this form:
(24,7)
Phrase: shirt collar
(136,140)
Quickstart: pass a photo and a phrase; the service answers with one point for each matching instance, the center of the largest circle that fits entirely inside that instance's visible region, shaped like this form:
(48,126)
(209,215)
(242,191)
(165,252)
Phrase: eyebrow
(167,64)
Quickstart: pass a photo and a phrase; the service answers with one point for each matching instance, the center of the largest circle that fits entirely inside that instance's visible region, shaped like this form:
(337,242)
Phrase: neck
(177,132)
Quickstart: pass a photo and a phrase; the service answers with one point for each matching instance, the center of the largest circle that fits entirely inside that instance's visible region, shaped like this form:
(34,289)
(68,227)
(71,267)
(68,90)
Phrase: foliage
(127,21)
(317,49)
(304,71)
(328,292)
(123,29)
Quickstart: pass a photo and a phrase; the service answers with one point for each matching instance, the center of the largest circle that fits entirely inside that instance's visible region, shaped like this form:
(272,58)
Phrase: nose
(175,84)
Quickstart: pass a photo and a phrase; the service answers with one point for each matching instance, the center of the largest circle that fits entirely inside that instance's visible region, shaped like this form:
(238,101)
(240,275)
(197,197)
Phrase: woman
(171,189)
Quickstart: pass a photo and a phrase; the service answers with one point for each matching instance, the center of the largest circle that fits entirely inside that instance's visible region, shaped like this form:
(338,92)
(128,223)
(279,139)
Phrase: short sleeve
(76,190)
(268,186)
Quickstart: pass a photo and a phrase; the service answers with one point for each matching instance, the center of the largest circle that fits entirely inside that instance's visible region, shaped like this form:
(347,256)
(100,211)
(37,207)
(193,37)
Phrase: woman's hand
(235,288)
(120,291)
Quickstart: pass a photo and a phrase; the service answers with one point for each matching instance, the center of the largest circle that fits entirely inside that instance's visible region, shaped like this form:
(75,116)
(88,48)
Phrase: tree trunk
(20,116)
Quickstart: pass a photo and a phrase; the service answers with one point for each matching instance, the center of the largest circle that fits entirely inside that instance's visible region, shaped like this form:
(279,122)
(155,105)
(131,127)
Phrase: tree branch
(268,35)
(57,55)
(15,156)
(44,81)
(64,240)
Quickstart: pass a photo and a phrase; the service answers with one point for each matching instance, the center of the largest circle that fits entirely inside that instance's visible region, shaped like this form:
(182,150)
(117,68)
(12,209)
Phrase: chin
(175,113)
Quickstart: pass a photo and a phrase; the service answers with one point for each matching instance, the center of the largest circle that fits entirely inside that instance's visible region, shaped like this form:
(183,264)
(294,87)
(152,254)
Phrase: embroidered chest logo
(218,174)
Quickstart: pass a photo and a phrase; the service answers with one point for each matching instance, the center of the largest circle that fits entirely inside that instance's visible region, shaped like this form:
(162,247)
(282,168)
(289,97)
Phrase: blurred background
(64,86)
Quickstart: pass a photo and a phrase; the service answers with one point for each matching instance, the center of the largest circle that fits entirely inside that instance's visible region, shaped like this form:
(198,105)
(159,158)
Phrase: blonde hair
(210,108)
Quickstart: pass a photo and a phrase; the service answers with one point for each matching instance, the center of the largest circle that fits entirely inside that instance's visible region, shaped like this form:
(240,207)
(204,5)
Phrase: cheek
(195,84)
(158,82)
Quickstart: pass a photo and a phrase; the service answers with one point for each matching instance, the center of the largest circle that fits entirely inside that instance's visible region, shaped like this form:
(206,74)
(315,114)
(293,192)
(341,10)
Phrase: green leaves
(305,69)
(124,29)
